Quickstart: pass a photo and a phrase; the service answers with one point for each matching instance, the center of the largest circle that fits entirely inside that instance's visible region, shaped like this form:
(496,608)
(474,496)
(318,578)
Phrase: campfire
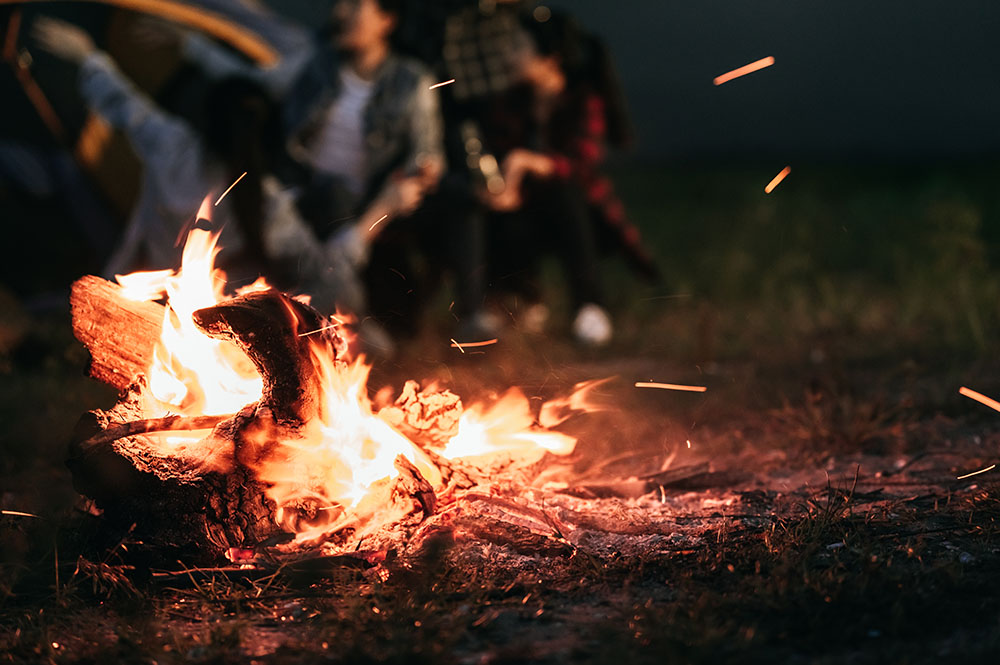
(245,425)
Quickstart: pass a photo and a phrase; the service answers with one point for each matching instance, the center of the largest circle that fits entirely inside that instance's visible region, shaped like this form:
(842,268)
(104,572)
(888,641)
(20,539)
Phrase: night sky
(885,80)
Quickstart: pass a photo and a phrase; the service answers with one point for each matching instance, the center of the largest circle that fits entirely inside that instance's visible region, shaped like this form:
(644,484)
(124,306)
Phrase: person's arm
(585,152)
(213,59)
(154,134)
(404,190)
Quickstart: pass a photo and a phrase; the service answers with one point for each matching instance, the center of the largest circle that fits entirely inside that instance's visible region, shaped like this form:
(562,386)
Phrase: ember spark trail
(979,397)
(744,70)
(777,179)
(671,386)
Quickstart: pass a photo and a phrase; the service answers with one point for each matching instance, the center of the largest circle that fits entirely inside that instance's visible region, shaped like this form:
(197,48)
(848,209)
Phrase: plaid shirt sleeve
(587,149)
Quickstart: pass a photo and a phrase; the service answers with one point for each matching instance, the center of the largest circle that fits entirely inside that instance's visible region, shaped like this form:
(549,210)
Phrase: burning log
(172,499)
(119,333)
(212,502)
(268,327)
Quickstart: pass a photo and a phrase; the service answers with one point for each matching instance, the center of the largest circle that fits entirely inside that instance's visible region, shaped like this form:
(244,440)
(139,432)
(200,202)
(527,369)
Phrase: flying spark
(456,345)
(777,179)
(459,345)
(670,386)
(979,397)
(235,182)
(976,473)
(744,70)
(442,83)
(319,330)
(377,221)
(18,513)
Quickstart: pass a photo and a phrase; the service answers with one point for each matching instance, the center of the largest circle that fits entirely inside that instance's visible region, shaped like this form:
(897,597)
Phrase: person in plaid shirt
(549,134)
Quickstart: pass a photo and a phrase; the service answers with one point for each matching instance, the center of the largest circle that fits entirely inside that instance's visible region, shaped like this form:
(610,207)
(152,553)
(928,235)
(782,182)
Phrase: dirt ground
(797,511)
(806,508)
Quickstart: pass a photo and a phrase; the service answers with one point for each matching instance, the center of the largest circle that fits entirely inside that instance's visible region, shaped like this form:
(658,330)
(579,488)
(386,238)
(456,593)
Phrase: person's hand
(429,170)
(506,201)
(403,195)
(62,39)
(520,162)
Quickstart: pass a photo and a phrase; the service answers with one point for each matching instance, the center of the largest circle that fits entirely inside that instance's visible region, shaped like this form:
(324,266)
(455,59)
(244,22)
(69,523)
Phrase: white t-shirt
(339,146)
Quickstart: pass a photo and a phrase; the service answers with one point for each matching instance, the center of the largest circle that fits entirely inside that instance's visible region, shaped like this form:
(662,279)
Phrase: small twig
(166,424)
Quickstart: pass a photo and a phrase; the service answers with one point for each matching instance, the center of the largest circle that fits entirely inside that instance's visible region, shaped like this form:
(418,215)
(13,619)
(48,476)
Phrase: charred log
(200,506)
(277,333)
(203,498)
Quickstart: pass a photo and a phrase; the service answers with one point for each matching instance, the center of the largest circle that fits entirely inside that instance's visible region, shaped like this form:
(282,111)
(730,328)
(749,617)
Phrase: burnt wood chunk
(119,333)
(202,498)
(411,483)
(198,506)
(278,334)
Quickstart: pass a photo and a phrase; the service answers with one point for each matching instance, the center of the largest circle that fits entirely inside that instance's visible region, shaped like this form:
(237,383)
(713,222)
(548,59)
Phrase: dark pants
(554,220)
(412,255)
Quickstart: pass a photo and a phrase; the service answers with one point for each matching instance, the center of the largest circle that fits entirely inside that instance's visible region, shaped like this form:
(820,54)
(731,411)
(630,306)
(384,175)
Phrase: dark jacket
(402,130)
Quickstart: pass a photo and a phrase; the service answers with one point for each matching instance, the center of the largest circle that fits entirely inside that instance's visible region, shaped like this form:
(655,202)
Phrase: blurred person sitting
(549,134)
(364,133)
(470,46)
(238,138)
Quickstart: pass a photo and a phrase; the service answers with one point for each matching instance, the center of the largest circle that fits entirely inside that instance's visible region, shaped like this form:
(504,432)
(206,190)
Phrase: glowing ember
(976,473)
(744,70)
(465,345)
(979,397)
(334,470)
(18,513)
(670,386)
(777,179)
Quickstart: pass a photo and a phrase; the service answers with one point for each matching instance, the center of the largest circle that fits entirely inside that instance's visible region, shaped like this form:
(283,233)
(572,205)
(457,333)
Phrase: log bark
(119,333)
(198,506)
(195,508)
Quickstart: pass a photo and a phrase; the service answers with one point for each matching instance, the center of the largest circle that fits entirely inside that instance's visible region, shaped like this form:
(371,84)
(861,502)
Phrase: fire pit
(244,425)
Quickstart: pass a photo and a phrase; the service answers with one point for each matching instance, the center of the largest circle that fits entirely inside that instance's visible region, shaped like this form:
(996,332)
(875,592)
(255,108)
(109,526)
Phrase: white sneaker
(592,325)
(533,319)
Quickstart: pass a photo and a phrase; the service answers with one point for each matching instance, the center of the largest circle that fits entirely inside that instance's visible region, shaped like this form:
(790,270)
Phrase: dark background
(914,79)
(887,80)
(886,112)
